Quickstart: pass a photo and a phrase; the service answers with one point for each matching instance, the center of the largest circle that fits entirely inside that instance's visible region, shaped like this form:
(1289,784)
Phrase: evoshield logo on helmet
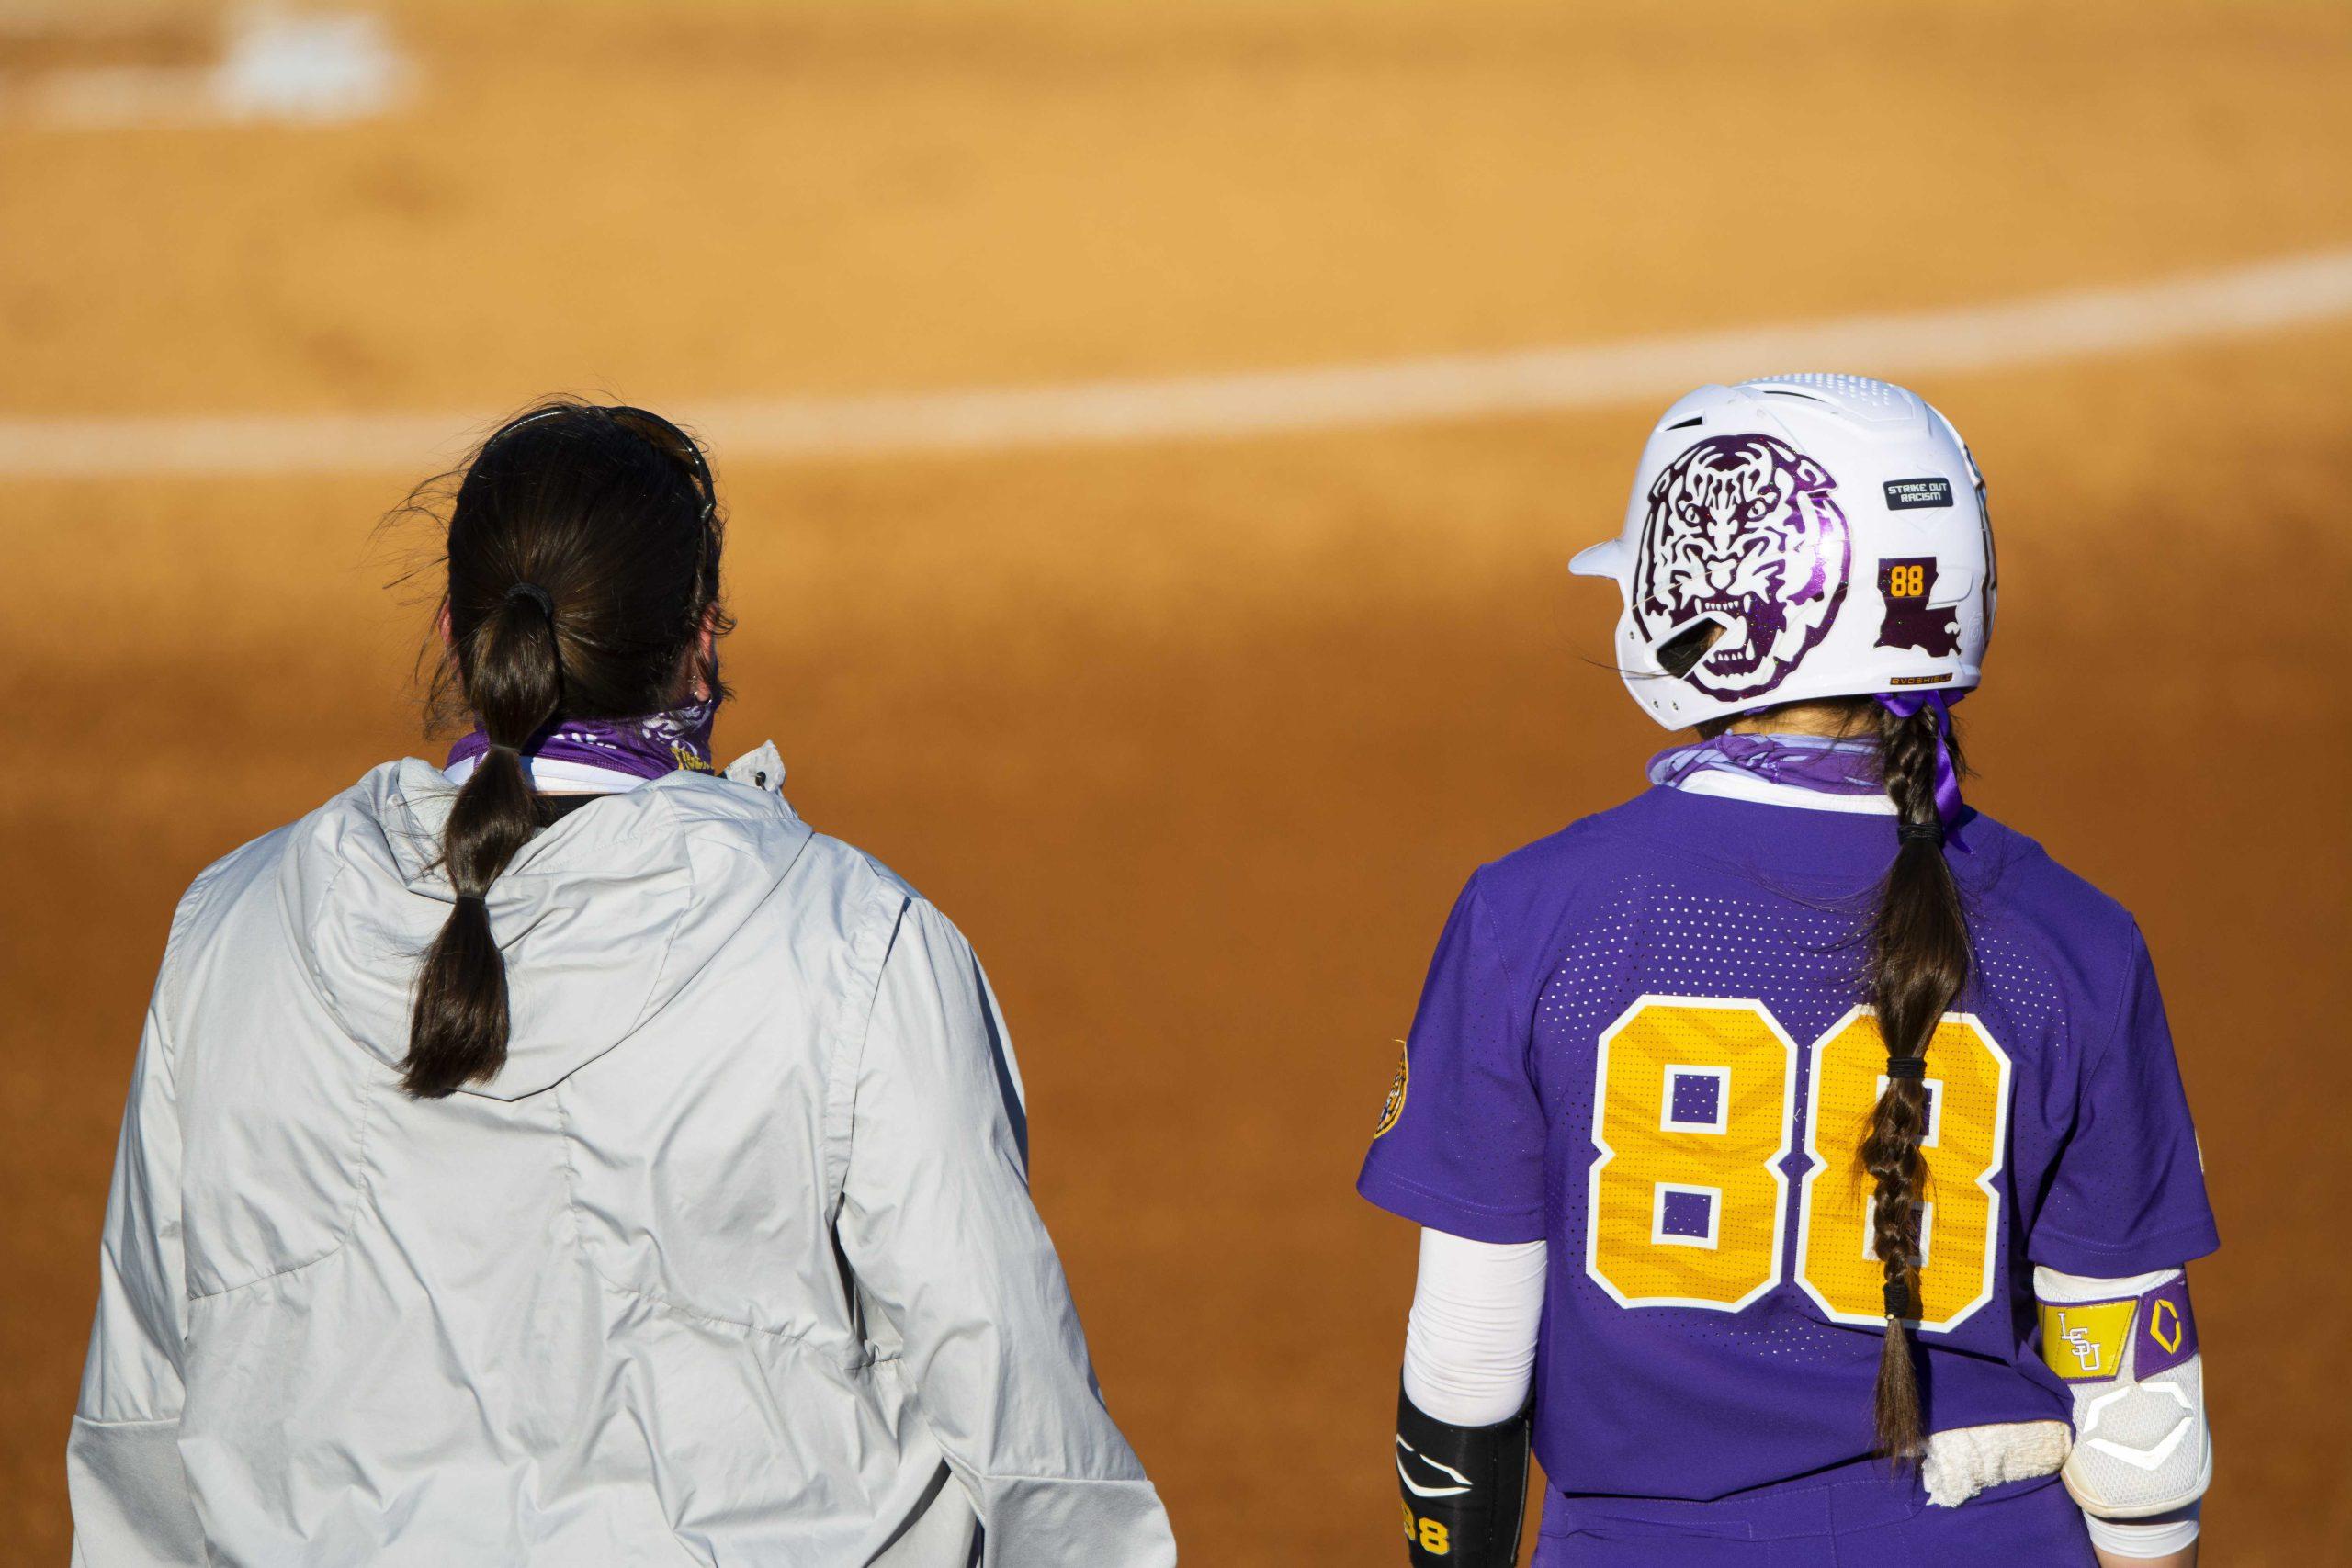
(1741,531)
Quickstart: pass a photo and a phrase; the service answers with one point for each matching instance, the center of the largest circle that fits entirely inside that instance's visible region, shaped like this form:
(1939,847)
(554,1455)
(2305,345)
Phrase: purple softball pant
(1854,1517)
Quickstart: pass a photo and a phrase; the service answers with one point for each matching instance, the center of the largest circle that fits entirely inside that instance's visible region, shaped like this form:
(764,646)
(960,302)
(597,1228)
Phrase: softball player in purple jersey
(1791,1118)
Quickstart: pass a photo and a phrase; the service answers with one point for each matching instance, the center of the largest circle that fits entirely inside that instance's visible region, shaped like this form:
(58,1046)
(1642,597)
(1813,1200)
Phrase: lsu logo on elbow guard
(2086,1341)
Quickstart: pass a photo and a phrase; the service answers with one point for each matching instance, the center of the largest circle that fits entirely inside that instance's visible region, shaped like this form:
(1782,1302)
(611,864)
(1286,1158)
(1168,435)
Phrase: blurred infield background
(1195,738)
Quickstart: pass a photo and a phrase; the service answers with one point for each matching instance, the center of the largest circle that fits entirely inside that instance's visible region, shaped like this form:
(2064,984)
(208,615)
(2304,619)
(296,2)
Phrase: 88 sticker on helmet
(1797,538)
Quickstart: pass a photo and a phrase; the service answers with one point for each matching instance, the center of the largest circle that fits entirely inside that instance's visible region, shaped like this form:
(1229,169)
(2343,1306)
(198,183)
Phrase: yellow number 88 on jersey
(1694,1116)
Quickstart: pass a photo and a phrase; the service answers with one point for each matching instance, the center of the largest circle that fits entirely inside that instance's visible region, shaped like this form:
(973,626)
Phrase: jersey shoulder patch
(1394,1106)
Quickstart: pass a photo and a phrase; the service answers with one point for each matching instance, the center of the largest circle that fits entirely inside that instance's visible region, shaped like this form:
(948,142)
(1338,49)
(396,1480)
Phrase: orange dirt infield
(1198,739)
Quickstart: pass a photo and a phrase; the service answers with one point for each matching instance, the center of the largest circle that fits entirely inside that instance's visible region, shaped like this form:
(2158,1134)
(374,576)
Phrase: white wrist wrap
(1964,1460)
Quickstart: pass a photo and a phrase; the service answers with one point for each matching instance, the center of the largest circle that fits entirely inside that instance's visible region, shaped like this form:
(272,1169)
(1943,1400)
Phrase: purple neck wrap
(1817,762)
(647,747)
(1808,761)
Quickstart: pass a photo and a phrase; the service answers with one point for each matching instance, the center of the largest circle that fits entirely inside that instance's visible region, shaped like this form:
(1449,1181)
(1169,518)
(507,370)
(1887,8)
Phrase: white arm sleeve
(2159,1537)
(2141,1449)
(1470,1344)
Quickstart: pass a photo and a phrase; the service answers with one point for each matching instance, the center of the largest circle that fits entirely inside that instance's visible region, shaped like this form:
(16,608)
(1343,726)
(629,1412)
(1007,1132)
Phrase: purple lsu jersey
(1644,1041)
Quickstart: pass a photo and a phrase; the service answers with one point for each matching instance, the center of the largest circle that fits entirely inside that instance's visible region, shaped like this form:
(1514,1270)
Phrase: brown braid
(1919,961)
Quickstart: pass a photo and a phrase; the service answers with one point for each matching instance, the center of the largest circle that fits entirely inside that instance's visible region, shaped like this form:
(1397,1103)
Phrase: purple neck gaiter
(1808,761)
(646,748)
(1816,763)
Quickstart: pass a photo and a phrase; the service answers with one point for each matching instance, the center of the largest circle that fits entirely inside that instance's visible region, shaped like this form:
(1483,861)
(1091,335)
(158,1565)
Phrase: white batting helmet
(1797,538)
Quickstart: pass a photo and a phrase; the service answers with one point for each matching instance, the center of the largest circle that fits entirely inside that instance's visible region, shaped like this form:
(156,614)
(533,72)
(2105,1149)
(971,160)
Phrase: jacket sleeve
(937,1224)
(132,1506)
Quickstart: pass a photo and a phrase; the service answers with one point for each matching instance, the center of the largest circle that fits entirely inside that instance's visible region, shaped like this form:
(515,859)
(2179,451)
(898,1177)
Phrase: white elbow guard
(2128,1350)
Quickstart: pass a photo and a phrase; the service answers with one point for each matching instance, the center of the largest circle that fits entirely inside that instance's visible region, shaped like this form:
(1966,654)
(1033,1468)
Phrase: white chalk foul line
(273,66)
(2260,297)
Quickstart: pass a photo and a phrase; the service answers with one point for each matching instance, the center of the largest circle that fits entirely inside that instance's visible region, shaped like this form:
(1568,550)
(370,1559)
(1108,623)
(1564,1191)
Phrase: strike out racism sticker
(1394,1106)
(1909,495)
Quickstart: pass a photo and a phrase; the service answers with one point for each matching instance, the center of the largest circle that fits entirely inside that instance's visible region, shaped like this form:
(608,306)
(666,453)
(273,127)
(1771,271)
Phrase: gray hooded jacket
(733,1263)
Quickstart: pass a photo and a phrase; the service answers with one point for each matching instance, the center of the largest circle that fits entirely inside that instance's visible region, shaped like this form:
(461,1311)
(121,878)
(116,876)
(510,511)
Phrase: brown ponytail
(1919,961)
(515,679)
(583,562)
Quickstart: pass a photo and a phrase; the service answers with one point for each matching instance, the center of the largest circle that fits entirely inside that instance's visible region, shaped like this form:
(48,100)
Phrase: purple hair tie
(1902,704)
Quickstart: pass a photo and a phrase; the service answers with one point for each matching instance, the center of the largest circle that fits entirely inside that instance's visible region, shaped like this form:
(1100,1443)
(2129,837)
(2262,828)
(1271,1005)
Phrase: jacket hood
(603,916)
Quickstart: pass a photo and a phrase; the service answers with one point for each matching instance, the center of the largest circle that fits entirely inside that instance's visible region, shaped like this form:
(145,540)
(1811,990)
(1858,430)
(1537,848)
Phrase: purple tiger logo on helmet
(1742,531)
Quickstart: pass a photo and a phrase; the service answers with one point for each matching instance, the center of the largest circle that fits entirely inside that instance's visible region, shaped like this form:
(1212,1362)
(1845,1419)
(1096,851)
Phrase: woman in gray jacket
(568,1155)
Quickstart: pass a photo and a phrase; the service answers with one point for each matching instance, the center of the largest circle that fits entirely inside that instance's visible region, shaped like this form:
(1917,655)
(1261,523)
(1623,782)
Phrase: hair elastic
(536,595)
(1907,1067)
(1898,1298)
(474,898)
(1920,833)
